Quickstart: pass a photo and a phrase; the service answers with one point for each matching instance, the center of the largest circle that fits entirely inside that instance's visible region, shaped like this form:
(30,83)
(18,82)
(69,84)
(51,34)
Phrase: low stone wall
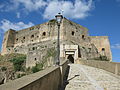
(48,79)
(112,67)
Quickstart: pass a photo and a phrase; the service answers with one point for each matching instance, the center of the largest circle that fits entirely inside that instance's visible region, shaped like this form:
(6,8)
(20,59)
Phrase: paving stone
(83,77)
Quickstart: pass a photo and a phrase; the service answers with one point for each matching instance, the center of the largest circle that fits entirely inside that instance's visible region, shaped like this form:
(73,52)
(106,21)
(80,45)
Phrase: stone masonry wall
(102,44)
(8,42)
(36,40)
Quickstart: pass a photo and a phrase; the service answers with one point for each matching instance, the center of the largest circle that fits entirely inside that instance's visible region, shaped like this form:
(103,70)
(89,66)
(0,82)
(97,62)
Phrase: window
(16,39)
(9,49)
(35,59)
(73,33)
(32,36)
(83,37)
(103,49)
(33,48)
(23,37)
(15,49)
(44,34)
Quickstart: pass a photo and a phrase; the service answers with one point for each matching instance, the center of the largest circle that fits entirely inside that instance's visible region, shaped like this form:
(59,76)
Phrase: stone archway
(70,58)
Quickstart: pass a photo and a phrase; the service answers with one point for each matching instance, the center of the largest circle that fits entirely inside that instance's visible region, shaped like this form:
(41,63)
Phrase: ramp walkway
(82,77)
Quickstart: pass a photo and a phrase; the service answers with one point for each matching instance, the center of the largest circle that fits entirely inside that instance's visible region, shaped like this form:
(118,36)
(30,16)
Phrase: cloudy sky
(101,17)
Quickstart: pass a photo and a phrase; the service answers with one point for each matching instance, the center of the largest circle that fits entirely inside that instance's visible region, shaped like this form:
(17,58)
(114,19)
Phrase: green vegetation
(8,57)
(102,58)
(51,52)
(3,68)
(54,42)
(1,57)
(52,21)
(37,67)
(20,75)
(19,63)
(70,23)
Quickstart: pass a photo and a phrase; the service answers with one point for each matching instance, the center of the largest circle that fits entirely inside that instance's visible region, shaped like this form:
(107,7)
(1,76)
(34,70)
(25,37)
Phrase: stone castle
(39,43)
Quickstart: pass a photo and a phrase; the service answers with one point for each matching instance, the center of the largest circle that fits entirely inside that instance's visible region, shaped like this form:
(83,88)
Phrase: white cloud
(6,24)
(72,9)
(27,5)
(31,5)
(77,9)
(116,46)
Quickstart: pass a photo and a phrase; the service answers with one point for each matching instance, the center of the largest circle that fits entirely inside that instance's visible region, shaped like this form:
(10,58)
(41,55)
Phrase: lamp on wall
(59,18)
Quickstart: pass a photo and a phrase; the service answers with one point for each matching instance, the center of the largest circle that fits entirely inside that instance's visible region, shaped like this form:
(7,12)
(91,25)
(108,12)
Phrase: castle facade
(39,43)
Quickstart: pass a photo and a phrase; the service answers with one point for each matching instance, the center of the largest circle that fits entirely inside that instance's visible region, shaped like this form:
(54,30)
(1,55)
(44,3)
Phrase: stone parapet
(48,79)
(113,67)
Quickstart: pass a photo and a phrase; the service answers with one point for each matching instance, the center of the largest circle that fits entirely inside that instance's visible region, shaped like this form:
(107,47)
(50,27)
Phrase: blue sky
(101,17)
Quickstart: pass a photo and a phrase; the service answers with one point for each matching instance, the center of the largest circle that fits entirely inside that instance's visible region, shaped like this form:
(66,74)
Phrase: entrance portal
(71,59)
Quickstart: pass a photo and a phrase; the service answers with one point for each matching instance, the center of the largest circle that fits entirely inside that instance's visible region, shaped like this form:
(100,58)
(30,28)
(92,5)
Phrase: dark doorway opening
(71,59)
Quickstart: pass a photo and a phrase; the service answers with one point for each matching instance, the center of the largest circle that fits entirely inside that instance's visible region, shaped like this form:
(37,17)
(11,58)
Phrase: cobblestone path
(83,77)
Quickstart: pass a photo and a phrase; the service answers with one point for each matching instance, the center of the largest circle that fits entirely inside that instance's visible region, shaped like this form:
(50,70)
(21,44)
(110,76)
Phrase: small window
(9,49)
(23,37)
(73,33)
(103,49)
(83,37)
(32,36)
(35,59)
(16,39)
(33,48)
(44,34)
(15,50)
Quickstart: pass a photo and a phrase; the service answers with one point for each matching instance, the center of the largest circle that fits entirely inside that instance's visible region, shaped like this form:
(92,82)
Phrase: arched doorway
(71,59)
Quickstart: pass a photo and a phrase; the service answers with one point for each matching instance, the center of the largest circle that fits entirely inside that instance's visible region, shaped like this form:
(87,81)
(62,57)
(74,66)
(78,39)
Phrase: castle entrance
(70,58)
(69,52)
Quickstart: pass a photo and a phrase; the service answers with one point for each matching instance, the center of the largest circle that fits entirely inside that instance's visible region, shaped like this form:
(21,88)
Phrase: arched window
(44,34)
(73,33)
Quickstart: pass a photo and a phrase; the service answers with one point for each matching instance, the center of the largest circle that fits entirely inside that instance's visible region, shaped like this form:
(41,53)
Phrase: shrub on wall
(18,63)
(37,67)
(3,68)
(102,58)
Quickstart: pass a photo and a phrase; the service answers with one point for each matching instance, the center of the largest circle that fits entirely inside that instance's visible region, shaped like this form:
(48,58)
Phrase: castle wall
(75,33)
(102,44)
(42,52)
(36,34)
(8,42)
(38,40)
